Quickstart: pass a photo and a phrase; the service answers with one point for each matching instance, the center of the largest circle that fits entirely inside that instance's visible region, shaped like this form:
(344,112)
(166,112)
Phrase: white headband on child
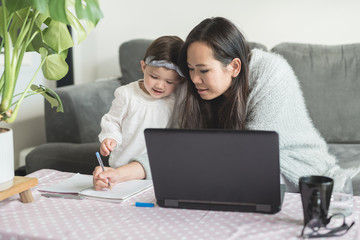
(163,63)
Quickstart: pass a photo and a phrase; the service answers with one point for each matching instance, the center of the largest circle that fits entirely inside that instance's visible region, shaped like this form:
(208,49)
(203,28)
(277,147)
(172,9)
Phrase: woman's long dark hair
(227,43)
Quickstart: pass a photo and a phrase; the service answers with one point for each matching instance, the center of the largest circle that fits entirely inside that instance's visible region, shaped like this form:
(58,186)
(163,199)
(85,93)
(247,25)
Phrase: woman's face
(210,76)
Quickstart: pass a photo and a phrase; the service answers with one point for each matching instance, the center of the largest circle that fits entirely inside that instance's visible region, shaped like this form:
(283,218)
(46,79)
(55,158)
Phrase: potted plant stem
(37,26)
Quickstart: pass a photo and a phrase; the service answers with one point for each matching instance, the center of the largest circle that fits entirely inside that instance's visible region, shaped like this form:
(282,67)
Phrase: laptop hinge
(258,207)
(263,208)
(171,203)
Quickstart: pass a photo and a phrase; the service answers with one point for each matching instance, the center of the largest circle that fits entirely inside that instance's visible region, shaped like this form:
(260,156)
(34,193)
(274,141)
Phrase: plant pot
(6,158)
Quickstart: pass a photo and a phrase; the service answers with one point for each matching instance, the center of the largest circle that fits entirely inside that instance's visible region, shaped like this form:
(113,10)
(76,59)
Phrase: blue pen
(102,165)
(144,204)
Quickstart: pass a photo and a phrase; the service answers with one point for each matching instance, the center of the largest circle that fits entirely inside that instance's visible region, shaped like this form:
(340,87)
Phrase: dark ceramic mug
(315,197)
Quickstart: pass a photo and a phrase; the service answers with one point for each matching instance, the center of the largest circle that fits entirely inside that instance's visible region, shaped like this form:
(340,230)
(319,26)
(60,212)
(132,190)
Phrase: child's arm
(112,121)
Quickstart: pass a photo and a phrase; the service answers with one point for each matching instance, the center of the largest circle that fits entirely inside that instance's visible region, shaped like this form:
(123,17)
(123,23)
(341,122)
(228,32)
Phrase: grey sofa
(329,77)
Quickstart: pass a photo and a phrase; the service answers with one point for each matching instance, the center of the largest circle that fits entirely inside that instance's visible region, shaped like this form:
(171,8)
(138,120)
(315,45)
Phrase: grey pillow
(253,45)
(130,55)
(330,80)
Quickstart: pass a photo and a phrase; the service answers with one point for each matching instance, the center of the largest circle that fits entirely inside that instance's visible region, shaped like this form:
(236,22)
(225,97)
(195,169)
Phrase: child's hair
(165,48)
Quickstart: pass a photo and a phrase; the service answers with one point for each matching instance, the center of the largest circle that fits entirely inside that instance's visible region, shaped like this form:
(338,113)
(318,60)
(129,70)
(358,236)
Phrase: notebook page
(73,184)
(120,191)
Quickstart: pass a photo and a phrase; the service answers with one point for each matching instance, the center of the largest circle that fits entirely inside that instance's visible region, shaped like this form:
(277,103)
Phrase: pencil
(102,166)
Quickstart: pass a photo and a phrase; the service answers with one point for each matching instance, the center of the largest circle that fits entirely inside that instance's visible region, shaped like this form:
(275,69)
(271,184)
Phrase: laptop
(210,169)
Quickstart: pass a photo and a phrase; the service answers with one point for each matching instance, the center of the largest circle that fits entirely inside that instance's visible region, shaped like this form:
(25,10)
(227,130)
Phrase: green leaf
(89,11)
(14,5)
(37,42)
(58,37)
(57,10)
(41,19)
(64,54)
(16,24)
(50,96)
(42,6)
(54,67)
(2,32)
(43,52)
(75,24)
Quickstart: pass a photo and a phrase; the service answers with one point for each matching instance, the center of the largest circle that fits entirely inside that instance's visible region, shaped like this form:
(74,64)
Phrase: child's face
(159,82)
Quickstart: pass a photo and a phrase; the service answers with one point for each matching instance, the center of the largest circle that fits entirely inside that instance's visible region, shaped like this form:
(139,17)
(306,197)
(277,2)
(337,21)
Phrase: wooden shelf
(21,186)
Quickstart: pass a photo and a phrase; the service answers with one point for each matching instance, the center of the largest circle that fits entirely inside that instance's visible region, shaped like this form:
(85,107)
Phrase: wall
(29,126)
(268,22)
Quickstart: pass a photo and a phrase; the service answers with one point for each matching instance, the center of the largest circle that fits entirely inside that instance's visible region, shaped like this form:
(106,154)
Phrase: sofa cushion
(67,157)
(84,106)
(330,80)
(348,156)
(253,45)
(130,55)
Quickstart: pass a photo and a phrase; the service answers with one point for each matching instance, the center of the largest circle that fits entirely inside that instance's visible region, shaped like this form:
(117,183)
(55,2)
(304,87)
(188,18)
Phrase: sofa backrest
(253,45)
(130,55)
(330,81)
(84,106)
(329,77)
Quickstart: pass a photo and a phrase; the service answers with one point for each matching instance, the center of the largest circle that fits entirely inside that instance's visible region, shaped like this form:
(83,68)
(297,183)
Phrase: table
(54,218)
(21,186)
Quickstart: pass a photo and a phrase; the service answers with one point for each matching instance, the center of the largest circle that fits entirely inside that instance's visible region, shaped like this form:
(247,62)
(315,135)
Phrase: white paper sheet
(75,184)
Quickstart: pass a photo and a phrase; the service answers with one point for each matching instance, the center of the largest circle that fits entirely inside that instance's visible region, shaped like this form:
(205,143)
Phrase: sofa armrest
(67,157)
(84,105)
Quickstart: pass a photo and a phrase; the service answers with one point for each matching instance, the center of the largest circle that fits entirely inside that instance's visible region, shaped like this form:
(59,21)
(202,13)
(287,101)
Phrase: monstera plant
(40,26)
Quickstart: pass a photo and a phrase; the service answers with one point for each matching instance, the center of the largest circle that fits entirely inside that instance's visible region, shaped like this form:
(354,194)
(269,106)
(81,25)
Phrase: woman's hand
(101,179)
(107,146)
(131,171)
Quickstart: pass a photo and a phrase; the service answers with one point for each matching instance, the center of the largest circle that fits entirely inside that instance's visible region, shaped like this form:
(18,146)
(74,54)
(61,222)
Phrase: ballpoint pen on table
(102,165)
(144,204)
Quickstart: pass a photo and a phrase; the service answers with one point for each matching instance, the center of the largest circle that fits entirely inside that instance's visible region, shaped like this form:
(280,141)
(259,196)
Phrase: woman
(233,88)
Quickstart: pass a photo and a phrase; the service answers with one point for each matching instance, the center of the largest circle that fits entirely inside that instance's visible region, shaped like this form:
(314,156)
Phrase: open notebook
(80,186)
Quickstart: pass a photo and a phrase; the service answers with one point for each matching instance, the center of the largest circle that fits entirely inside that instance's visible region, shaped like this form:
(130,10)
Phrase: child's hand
(107,146)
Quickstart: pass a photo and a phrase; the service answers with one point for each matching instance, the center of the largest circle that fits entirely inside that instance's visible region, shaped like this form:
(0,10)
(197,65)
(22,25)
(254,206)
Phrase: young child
(142,104)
